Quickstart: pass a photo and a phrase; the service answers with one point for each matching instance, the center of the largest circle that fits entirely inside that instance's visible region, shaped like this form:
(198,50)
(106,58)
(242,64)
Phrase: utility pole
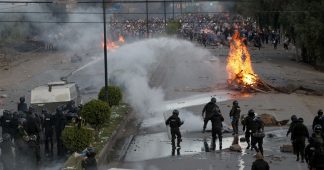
(105,49)
(147,20)
(165,16)
(173,10)
(181,8)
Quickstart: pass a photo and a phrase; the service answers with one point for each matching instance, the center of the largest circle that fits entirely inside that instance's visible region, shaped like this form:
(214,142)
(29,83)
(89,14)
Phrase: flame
(121,39)
(239,67)
(112,45)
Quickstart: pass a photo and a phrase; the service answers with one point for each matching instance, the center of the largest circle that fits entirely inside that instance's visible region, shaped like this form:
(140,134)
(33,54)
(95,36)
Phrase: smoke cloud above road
(132,66)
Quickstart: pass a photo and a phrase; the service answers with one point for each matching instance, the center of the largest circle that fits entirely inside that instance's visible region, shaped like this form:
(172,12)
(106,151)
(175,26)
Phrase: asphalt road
(190,89)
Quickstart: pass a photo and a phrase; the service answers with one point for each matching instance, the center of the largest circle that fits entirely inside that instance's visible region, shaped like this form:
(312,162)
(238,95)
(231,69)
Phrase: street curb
(126,147)
(105,151)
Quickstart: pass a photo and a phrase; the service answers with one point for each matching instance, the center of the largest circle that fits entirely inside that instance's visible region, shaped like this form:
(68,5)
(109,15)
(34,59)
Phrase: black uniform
(174,122)
(260,164)
(235,117)
(32,128)
(7,156)
(6,122)
(257,135)
(60,122)
(246,128)
(217,127)
(314,151)
(89,163)
(299,134)
(209,109)
(290,130)
(25,159)
(22,106)
(48,126)
(318,120)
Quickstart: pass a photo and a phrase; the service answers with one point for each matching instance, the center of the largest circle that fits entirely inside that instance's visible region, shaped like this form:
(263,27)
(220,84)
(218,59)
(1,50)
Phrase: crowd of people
(26,130)
(253,128)
(208,29)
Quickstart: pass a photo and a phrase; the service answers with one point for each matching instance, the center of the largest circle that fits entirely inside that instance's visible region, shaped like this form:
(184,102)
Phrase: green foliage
(173,27)
(114,95)
(96,113)
(77,139)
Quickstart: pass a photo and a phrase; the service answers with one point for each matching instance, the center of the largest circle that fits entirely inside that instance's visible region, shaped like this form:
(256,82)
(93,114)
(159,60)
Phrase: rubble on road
(286,148)
(270,120)
(235,144)
(3,96)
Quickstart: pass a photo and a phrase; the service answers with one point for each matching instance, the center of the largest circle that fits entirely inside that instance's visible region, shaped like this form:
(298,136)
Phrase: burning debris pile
(111,45)
(239,68)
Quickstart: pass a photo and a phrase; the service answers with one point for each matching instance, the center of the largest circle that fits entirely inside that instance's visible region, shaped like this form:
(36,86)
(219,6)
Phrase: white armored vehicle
(54,94)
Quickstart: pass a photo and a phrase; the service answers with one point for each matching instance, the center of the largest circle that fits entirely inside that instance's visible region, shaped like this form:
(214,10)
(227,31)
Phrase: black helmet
(22,121)
(300,120)
(213,99)
(235,102)
(320,112)
(31,109)
(44,111)
(91,152)
(6,137)
(251,112)
(6,113)
(59,109)
(175,112)
(22,99)
(293,118)
(317,128)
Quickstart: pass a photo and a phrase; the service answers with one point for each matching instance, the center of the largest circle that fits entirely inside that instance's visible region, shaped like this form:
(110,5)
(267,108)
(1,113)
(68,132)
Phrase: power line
(94,22)
(117,13)
(119,1)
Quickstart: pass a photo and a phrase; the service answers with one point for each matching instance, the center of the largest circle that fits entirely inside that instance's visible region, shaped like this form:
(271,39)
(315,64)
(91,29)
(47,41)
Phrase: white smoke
(54,24)
(132,65)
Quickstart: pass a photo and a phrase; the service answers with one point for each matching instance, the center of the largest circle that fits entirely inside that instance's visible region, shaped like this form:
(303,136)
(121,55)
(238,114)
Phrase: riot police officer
(48,127)
(235,116)
(208,111)
(319,119)
(217,128)
(22,106)
(89,162)
(260,163)
(294,121)
(314,151)
(7,155)
(6,122)
(246,128)
(60,122)
(71,111)
(32,128)
(299,135)
(14,125)
(174,122)
(257,128)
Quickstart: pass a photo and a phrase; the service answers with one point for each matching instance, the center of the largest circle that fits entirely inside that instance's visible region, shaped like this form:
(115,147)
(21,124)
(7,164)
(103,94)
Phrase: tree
(96,113)
(114,95)
(77,139)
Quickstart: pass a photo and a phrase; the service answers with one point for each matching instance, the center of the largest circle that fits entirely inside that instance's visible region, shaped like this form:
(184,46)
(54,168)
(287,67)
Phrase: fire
(121,39)
(239,67)
(112,45)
